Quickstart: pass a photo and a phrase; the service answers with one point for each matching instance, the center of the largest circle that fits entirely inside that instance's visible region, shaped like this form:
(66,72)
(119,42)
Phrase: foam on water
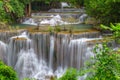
(55,20)
(30,21)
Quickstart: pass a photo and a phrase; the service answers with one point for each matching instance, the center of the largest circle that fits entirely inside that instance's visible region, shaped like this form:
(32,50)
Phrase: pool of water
(80,26)
(75,26)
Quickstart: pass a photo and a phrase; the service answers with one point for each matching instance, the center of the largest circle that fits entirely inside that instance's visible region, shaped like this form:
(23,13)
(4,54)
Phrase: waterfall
(5,36)
(17,43)
(27,64)
(77,50)
(41,45)
(61,50)
(83,17)
(43,56)
(80,51)
(3,49)
(51,54)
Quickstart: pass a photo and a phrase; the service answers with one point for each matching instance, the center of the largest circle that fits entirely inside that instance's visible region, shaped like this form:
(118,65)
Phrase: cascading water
(43,56)
(27,64)
(77,50)
(3,53)
(62,50)
(54,17)
(51,52)
(83,17)
(17,43)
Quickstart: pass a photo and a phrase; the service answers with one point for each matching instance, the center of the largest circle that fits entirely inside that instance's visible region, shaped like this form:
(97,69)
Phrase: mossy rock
(3,26)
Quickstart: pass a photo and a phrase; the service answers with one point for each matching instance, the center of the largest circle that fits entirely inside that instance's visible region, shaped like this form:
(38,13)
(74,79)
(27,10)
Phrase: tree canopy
(11,10)
(105,11)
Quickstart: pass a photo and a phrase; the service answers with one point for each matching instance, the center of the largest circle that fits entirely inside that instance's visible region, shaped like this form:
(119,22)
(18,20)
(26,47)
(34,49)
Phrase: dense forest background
(105,11)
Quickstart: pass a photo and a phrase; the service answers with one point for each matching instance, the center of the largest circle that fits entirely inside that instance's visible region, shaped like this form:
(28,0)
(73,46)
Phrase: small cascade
(15,45)
(82,18)
(43,72)
(86,35)
(3,51)
(64,4)
(79,51)
(30,21)
(51,54)
(5,36)
(41,43)
(27,64)
(53,21)
(62,50)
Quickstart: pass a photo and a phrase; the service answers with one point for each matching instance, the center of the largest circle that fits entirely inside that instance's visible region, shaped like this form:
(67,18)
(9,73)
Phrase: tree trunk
(28,10)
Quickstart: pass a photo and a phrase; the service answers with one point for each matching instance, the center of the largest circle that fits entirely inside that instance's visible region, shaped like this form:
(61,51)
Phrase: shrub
(7,73)
(70,74)
(57,28)
(106,65)
(115,28)
(50,29)
(105,11)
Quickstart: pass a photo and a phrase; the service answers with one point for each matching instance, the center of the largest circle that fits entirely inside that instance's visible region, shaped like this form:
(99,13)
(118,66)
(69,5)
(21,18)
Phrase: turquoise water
(81,26)
(75,26)
(21,25)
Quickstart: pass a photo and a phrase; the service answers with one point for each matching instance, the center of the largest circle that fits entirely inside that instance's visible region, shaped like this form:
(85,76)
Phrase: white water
(82,18)
(51,52)
(79,52)
(36,62)
(27,64)
(54,21)
(64,4)
(30,21)
(3,49)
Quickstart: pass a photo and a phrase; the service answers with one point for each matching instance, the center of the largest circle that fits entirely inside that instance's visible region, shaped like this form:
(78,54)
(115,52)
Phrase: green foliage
(105,11)
(4,16)
(7,73)
(57,28)
(18,8)
(106,65)
(76,3)
(50,29)
(114,28)
(70,74)
(10,10)
(26,1)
